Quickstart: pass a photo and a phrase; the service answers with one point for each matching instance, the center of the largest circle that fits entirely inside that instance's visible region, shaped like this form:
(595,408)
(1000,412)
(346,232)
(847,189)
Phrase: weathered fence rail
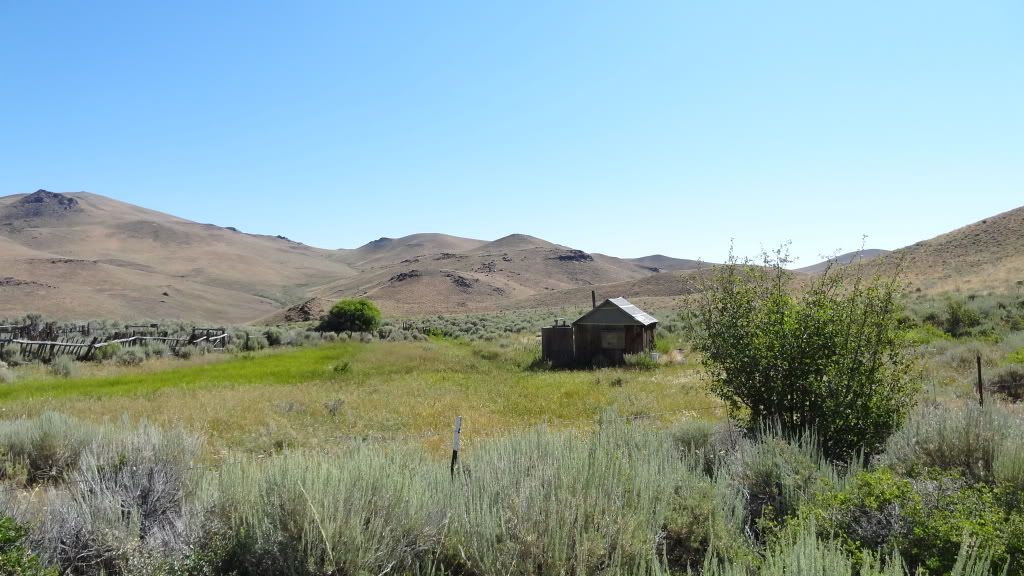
(31,349)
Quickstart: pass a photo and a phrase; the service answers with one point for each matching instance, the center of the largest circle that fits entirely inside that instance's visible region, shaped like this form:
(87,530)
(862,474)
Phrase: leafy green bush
(829,357)
(1016,357)
(352,315)
(875,511)
(959,319)
(925,334)
(15,560)
(926,520)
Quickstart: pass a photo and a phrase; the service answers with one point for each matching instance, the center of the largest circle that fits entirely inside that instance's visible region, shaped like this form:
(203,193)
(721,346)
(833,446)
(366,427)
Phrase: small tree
(827,356)
(353,315)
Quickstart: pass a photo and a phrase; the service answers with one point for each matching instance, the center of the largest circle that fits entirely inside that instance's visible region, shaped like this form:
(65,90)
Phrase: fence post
(981,387)
(455,444)
(91,348)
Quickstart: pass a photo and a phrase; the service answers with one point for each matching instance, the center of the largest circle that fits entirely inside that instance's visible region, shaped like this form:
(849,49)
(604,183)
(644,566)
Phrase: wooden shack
(611,330)
(603,335)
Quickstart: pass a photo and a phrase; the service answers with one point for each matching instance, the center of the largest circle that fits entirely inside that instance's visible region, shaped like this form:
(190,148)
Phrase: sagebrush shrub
(362,511)
(641,361)
(130,503)
(130,357)
(11,356)
(155,349)
(63,367)
(45,448)
(965,439)
(184,352)
(107,352)
(274,336)
(775,475)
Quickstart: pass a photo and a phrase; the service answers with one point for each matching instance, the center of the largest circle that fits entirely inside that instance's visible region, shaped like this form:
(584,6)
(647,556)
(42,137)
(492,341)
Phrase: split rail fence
(37,347)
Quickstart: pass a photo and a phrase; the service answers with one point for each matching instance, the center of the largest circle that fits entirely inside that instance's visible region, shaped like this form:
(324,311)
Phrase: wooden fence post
(981,386)
(455,444)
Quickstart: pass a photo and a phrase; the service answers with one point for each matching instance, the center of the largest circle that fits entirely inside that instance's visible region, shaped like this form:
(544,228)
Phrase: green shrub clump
(352,315)
(959,319)
(15,559)
(925,520)
(829,357)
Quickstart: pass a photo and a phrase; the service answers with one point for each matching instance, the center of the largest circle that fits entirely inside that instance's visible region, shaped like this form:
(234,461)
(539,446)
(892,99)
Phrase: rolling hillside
(987,255)
(843,260)
(488,275)
(81,255)
(85,255)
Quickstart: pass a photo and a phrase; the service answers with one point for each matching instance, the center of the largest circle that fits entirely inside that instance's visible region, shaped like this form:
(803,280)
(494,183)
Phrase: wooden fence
(31,349)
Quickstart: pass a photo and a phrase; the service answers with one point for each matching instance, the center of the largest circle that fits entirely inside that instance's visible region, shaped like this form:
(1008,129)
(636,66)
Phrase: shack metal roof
(617,312)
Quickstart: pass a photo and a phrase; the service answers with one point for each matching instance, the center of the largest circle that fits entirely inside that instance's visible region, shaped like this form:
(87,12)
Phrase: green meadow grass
(322,395)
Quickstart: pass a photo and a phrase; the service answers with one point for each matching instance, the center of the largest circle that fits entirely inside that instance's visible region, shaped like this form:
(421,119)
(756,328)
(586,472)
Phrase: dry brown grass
(984,256)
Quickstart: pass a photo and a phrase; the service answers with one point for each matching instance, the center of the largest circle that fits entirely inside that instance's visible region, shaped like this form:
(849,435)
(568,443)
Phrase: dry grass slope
(984,256)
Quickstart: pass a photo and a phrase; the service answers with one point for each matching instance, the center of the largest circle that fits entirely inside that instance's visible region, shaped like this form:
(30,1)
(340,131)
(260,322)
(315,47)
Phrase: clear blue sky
(626,128)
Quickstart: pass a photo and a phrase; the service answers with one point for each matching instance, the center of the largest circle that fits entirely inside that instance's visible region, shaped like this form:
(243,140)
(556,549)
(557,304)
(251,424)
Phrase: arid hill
(486,276)
(81,255)
(985,256)
(666,263)
(859,256)
(84,255)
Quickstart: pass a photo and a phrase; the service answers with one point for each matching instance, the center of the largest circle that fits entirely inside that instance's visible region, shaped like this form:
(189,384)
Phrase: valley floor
(324,395)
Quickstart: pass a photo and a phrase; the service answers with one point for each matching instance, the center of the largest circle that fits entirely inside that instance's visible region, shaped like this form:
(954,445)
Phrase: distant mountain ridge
(80,255)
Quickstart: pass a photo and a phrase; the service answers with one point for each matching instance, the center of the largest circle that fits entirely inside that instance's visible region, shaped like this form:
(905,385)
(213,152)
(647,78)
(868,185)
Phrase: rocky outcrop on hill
(40,204)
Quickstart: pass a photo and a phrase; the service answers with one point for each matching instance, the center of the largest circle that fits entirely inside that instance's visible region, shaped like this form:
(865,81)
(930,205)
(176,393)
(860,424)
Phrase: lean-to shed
(612,329)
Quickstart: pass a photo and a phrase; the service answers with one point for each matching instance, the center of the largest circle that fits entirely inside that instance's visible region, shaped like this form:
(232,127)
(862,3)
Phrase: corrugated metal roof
(617,311)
